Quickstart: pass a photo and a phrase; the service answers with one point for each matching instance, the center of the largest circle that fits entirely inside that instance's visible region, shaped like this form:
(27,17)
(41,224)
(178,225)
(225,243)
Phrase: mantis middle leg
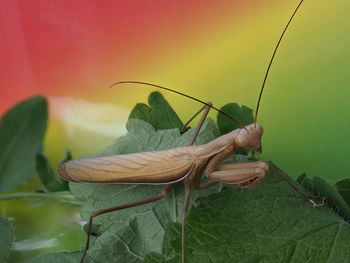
(164,193)
(188,184)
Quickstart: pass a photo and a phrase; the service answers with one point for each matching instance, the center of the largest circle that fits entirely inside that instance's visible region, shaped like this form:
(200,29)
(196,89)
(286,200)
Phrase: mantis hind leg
(164,193)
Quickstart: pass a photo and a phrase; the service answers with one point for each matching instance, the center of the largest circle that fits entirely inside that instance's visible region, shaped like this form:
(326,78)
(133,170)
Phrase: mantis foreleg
(206,109)
(247,175)
(244,175)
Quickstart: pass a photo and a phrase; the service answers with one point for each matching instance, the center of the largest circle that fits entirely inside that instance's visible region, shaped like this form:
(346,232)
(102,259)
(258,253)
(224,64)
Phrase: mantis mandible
(185,164)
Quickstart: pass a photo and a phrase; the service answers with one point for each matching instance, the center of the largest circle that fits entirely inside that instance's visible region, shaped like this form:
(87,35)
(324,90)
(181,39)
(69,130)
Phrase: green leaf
(143,137)
(60,257)
(343,188)
(301,178)
(22,131)
(137,230)
(46,174)
(269,223)
(242,114)
(6,239)
(159,114)
(67,156)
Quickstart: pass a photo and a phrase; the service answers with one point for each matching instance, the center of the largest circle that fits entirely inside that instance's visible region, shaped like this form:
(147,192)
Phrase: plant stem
(63,197)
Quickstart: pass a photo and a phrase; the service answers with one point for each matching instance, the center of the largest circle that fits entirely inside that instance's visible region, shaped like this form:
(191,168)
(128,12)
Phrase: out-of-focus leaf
(22,131)
(67,156)
(159,114)
(343,187)
(6,239)
(63,197)
(301,178)
(46,174)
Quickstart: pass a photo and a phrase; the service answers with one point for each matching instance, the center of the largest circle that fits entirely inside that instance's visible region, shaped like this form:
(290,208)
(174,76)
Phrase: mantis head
(252,138)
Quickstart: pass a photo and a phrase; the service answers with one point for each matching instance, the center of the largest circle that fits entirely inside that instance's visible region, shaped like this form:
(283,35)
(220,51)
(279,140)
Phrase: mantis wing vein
(159,167)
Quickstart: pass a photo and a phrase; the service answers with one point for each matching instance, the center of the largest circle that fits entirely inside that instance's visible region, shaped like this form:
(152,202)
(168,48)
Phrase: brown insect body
(167,166)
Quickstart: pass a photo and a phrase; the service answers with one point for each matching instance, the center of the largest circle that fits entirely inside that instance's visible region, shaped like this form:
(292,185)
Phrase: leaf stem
(63,197)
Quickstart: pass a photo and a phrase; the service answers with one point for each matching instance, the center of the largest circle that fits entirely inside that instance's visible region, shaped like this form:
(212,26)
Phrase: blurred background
(218,51)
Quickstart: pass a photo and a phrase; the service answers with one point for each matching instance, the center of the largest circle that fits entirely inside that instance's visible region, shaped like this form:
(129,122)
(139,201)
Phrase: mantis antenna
(200,101)
(273,56)
(180,93)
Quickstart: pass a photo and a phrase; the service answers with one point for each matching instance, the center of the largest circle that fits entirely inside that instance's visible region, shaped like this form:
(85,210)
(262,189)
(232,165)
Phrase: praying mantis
(183,164)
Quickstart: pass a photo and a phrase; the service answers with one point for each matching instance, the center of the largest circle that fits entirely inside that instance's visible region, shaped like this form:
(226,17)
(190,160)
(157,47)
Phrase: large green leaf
(270,223)
(60,257)
(6,239)
(22,131)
